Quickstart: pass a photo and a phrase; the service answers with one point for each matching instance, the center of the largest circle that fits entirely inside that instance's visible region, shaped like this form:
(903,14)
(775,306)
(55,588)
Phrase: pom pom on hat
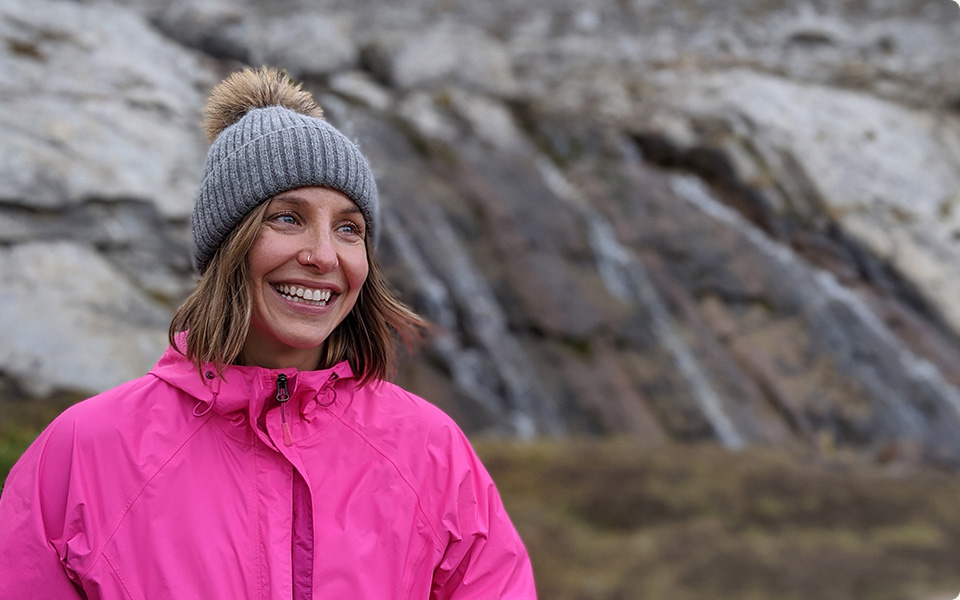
(269,136)
(246,90)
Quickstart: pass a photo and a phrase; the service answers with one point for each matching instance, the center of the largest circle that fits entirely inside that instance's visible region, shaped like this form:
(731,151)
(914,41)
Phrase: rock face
(734,222)
(54,287)
(446,53)
(884,173)
(88,93)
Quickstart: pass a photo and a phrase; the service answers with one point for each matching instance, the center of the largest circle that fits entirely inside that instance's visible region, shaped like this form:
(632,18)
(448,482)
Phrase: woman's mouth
(308,296)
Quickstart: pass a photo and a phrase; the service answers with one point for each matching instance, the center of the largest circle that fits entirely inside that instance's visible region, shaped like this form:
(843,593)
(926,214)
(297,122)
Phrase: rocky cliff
(673,220)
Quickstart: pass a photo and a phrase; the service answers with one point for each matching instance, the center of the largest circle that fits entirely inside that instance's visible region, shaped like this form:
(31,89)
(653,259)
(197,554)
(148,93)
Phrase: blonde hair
(216,315)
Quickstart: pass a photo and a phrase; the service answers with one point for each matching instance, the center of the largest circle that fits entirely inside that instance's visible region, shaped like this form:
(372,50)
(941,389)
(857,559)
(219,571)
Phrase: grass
(614,519)
(21,421)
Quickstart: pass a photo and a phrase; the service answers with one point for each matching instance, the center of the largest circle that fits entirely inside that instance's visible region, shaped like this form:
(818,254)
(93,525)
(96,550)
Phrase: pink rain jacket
(181,486)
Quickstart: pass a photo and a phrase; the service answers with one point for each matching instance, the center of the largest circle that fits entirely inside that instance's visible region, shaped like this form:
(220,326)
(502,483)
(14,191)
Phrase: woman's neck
(307,359)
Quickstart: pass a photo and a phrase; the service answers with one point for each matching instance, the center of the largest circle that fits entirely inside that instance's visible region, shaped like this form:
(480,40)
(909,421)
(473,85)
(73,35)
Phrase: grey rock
(422,113)
(450,114)
(217,27)
(890,176)
(308,44)
(120,123)
(443,53)
(70,322)
(360,87)
(133,235)
(488,120)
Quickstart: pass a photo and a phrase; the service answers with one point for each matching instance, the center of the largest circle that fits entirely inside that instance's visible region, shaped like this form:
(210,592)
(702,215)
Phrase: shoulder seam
(101,551)
(400,473)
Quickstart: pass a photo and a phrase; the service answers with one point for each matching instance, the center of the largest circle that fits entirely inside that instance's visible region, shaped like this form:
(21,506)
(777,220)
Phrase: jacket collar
(247,389)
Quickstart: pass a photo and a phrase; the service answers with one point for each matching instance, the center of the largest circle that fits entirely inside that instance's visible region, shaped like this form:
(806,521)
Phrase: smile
(304,295)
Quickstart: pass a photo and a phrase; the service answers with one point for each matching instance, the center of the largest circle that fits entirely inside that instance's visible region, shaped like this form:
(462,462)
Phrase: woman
(265,456)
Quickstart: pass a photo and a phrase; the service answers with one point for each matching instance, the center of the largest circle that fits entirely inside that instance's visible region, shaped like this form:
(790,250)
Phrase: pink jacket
(180,486)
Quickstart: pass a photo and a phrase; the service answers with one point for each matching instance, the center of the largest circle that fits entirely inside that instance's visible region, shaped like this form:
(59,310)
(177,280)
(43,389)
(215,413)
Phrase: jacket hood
(249,389)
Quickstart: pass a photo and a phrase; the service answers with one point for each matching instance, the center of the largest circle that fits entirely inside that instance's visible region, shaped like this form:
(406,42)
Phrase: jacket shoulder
(426,445)
(402,423)
(94,458)
(480,553)
(121,414)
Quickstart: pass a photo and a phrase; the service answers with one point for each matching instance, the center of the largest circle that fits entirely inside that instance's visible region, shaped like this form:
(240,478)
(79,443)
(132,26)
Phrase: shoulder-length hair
(216,315)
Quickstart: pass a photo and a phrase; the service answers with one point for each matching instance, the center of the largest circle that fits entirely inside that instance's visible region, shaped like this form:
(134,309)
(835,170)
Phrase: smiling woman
(266,455)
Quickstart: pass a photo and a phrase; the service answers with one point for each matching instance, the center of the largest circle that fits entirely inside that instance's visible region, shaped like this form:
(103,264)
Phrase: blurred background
(695,265)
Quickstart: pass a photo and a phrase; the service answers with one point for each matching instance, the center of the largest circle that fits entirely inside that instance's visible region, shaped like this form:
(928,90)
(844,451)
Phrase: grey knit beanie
(268,137)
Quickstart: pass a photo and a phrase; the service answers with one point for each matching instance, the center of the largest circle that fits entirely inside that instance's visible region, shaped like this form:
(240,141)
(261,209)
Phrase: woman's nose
(321,253)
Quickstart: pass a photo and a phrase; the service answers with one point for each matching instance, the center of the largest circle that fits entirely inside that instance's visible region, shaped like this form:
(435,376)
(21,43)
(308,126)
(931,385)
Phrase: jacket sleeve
(33,518)
(484,557)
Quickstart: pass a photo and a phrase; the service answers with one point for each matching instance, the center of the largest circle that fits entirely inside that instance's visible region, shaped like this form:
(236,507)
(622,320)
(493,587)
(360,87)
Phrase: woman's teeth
(305,295)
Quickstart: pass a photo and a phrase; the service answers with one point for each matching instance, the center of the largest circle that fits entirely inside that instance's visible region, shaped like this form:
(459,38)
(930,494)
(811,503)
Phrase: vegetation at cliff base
(618,520)
(20,423)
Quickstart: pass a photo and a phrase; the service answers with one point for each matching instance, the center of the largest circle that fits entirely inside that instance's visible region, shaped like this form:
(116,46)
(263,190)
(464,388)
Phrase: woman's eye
(351,228)
(287,219)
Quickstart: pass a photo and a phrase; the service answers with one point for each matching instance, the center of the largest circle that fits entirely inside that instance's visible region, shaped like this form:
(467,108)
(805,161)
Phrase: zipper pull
(282,397)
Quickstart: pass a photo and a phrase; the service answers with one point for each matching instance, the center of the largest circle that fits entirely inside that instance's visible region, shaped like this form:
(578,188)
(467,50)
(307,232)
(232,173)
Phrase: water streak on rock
(499,361)
(835,309)
(626,278)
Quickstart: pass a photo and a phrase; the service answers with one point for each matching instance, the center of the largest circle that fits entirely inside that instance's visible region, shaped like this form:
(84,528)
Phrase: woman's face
(307,265)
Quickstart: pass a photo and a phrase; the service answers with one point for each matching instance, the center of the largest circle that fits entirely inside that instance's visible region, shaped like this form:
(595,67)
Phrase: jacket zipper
(302,587)
(282,397)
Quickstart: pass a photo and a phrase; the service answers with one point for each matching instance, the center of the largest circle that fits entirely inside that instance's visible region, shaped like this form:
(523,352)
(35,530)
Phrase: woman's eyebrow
(351,210)
(290,199)
(297,200)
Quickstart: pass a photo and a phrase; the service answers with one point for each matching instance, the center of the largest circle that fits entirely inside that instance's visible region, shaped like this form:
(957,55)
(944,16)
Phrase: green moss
(21,421)
(13,441)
